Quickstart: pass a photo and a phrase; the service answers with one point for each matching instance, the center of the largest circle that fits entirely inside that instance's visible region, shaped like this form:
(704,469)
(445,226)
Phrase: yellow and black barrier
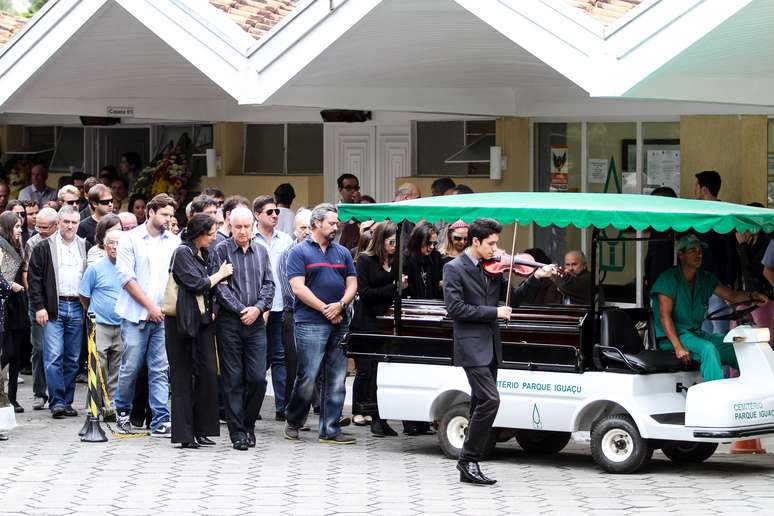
(92,431)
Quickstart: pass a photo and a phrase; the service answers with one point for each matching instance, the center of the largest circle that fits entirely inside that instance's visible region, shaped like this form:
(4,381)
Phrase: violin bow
(510,275)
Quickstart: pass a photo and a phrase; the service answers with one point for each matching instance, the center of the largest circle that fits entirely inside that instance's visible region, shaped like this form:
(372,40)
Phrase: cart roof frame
(582,210)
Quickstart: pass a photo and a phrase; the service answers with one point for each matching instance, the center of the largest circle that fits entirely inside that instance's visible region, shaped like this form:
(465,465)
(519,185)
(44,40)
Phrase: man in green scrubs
(680,297)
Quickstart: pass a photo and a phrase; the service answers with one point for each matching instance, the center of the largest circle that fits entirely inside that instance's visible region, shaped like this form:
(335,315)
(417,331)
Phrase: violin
(522,264)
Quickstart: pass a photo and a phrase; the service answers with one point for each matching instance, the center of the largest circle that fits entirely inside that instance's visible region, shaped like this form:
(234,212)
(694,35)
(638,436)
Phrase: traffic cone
(748,446)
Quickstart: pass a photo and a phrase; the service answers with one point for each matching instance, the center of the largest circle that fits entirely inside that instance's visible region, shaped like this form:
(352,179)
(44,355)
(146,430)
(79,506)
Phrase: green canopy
(600,210)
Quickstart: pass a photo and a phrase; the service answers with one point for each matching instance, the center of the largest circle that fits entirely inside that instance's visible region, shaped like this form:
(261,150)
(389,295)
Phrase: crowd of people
(198,310)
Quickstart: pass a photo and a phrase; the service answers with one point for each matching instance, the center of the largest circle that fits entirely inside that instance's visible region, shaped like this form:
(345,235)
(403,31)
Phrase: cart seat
(621,348)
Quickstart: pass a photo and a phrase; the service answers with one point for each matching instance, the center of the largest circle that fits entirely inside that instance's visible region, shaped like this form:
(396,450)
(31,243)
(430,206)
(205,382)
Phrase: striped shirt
(288,297)
(251,284)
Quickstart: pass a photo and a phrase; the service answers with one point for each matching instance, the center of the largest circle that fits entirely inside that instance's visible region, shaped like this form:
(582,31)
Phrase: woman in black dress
(17,324)
(190,337)
(376,288)
(423,264)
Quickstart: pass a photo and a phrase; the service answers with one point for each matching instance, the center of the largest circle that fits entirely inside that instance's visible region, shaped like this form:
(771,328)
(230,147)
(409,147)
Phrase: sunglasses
(431,243)
(351,188)
(105,202)
(460,239)
(271,212)
(72,203)
(391,242)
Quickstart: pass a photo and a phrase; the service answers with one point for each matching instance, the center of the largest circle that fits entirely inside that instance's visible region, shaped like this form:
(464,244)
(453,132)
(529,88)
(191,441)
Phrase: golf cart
(569,369)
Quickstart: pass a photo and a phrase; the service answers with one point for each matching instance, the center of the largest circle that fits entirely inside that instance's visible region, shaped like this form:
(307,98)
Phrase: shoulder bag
(169,301)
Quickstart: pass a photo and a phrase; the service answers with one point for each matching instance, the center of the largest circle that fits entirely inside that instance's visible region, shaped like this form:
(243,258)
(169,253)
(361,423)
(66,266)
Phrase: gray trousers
(109,347)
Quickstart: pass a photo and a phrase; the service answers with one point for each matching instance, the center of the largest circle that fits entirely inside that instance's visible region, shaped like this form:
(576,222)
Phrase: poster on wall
(597,170)
(560,169)
(663,169)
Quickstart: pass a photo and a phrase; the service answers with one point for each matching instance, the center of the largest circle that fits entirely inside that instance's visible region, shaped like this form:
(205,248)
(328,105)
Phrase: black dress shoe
(204,441)
(70,412)
(279,416)
(191,446)
(470,473)
(251,439)
(58,412)
(380,428)
(241,445)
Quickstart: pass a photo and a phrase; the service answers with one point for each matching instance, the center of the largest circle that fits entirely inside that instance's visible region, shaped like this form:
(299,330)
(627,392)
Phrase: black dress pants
(193,382)
(242,351)
(484,402)
(12,342)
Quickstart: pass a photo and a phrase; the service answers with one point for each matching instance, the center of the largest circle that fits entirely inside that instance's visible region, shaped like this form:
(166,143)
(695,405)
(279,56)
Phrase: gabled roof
(256,17)
(605,11)
(9,25)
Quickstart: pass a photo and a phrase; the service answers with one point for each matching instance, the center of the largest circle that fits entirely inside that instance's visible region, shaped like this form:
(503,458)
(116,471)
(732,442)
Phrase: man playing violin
(472,302)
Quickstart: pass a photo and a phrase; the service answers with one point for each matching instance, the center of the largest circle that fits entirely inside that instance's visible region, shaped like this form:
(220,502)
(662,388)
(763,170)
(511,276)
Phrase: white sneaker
(163,430)
(20,380)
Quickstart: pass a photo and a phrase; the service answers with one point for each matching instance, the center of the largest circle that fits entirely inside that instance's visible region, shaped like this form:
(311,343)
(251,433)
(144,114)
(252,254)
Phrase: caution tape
(97,383)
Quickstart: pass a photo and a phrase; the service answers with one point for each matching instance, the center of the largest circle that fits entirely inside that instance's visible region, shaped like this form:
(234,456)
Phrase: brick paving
(45,469)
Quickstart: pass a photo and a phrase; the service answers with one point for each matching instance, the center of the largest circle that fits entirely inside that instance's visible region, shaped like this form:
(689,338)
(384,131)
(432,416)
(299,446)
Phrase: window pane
(305,149)
(264,149)
(436,141)
(69,149)
(38,137)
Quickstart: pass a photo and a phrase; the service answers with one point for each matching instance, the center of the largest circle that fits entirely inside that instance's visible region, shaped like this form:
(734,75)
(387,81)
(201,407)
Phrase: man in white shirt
(55,271)
(38,191)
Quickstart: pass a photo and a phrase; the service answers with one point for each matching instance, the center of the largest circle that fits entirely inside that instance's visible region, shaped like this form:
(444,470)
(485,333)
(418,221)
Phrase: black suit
(471,300)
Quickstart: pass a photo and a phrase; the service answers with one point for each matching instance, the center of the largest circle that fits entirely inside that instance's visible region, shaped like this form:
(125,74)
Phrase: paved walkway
(45,469)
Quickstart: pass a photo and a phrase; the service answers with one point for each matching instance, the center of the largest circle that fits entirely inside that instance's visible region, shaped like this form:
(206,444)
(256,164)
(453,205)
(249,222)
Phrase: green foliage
(35,6)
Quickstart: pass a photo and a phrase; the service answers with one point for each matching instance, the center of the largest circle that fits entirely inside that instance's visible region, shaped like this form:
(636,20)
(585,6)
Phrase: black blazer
(471,302)
(42,275)
(376,292)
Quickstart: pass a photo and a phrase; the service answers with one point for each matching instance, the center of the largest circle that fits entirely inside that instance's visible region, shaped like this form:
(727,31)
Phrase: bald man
(407,191)
(575,283)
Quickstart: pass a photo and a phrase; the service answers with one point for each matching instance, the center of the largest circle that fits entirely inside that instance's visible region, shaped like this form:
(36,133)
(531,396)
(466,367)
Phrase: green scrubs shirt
(690,305)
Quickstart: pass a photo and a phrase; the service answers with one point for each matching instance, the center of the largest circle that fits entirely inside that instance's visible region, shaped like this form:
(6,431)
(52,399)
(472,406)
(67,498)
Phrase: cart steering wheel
(733,312)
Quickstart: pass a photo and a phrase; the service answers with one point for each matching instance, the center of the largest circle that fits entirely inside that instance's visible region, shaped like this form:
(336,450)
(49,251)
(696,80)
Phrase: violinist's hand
(504,312)
(404,282)
(547,271)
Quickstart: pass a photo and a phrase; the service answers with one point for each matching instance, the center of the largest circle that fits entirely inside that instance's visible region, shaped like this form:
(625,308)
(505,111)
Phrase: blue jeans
(279,371)
(144,342)
(61,350)
(319,350)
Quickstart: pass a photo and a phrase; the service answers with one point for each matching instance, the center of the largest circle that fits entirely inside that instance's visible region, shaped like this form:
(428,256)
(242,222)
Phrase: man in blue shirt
(99,291)
(143,259)
(275,242)
(322,276)
(680,297)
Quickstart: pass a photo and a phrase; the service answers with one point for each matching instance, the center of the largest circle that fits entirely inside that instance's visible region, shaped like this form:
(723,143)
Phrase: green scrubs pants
(708,349)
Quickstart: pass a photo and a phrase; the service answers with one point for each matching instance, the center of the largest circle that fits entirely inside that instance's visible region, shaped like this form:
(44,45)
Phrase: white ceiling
(114,57)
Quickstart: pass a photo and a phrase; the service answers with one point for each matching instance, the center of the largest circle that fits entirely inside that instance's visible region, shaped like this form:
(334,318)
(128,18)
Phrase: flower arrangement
(169,174)
(17,176)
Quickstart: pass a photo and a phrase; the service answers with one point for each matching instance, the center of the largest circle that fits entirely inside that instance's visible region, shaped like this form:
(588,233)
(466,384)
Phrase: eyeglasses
(431,243)
(271,212)
(351,188)
(72,203)
(105,202)
(220,204)
(460,238)
(391,242)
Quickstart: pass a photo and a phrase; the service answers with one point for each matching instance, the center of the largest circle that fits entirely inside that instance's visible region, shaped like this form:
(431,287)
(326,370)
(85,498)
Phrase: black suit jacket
(471,302)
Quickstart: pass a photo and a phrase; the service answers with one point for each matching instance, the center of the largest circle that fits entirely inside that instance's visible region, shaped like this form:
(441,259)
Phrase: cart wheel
(542,442)
(685,452)
(616,445)
(452,429)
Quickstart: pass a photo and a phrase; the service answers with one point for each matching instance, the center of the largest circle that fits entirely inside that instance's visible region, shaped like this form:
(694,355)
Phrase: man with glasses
(101,202)
(99,291)
(349,193)
(46,226)
(275,242)
(55,272)
(69,195)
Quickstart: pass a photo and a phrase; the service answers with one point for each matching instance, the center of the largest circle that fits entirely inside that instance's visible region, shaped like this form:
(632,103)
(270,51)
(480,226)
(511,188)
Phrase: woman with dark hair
(366,232)
(130,166)
(190,336)
(456,241)
(422,263)
(376,289)
(105,225)
(136,206)
(16,321)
